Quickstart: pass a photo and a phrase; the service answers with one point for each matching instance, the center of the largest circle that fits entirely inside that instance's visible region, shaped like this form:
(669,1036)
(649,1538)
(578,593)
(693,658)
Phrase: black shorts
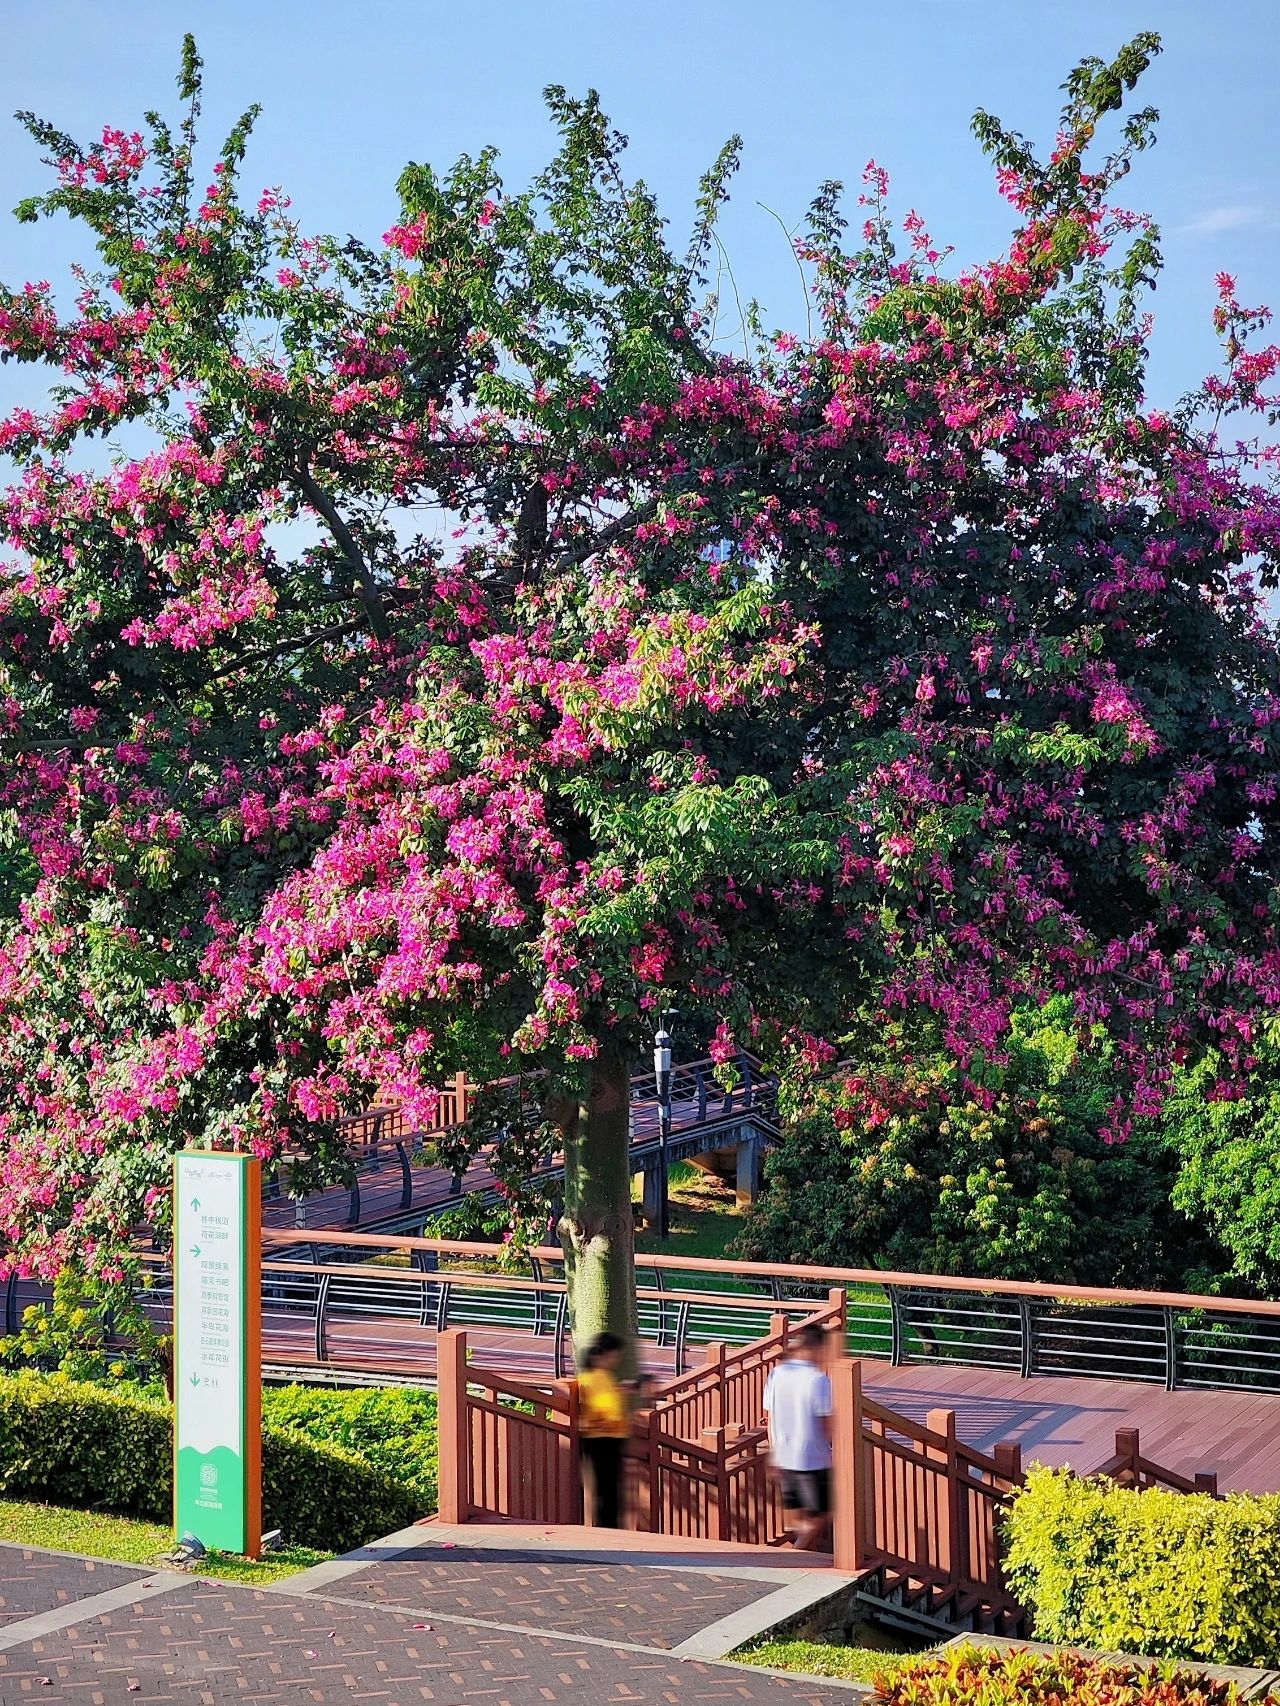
(807,1490)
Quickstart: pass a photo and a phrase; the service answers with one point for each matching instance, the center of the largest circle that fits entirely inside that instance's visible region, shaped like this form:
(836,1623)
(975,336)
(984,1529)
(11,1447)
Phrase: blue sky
(352,91)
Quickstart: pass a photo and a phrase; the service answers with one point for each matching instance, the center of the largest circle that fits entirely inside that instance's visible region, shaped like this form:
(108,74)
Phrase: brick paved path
(205,1643)
(33,1581)
(623,1602)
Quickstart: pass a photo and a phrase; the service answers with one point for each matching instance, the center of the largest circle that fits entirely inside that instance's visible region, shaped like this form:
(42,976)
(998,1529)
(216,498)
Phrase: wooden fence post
(955,1560)
(1008,1461)
(718,1514)
(715,1366)
(838,1300)
(847,1467)
(455,1443)
(1127,1446)
(780,1329)
(1206,1481)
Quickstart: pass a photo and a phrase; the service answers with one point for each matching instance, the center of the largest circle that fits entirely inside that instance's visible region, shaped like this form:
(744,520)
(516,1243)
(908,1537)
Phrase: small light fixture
(189,1550)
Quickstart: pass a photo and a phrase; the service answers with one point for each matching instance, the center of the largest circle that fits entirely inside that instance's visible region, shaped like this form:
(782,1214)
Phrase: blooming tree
(911,664)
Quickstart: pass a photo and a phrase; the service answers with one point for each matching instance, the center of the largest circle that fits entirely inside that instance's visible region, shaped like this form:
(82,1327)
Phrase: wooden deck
(1060,1421)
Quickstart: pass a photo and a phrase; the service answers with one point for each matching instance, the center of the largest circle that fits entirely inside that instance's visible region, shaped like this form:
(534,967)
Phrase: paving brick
(623,1602)
(32,1581)
(211,1644)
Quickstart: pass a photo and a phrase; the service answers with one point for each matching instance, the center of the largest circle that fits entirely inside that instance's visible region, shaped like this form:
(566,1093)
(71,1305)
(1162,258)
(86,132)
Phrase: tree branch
(299,642)
(323,504)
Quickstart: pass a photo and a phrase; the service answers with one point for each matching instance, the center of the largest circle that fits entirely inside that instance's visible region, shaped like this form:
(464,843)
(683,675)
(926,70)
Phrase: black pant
(605,1458)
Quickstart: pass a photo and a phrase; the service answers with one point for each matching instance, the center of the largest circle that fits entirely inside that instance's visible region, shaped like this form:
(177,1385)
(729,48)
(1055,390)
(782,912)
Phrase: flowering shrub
(914,666)
(895,1161)
(966,1675)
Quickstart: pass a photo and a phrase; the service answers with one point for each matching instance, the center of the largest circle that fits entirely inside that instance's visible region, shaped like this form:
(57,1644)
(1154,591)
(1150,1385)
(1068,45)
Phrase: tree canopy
(909,663)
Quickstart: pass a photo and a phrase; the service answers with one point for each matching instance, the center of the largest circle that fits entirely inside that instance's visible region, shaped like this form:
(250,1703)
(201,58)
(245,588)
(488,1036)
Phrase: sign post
(217,1363)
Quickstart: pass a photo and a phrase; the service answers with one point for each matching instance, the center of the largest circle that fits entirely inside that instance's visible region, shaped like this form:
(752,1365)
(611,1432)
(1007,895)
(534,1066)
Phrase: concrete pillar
(750,1164)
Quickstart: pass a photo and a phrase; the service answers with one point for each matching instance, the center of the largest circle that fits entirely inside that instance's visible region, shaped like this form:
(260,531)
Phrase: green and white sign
(217,1353)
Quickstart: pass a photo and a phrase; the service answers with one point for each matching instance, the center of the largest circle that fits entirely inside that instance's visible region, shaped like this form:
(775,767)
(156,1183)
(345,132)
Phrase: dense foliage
(901,1165)
(1227,1155)
(391,1428)
(1171,1574)
(81,1444)
(1019,1678)
(914,667)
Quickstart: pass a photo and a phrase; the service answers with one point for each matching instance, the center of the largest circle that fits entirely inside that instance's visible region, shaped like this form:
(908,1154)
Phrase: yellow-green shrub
(1181,1575)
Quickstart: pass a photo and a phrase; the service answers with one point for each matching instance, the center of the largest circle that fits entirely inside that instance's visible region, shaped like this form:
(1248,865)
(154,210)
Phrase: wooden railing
(696,1463)
(1131,1469)
(506,1449)
(385,1121)
(916,1497)
(698,1456)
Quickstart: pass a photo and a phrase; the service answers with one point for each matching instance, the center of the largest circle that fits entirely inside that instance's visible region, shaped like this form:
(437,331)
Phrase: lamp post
(662,1081)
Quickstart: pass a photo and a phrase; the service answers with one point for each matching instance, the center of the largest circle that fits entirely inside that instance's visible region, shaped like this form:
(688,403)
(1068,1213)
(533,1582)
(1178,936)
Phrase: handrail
(794,1274)
(514,1282)
(681,1070)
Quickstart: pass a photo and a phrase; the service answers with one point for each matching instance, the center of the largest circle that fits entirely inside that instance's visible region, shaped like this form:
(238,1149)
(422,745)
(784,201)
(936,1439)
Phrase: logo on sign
(208,1475)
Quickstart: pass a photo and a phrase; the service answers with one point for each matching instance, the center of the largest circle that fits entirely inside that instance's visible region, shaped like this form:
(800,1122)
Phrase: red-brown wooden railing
(698,1456)
(696,1464)
(1131,1469)
(915,1497)
(506,1449)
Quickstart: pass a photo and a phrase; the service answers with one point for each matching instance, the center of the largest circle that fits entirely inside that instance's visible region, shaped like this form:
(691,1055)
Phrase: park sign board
(217,1362)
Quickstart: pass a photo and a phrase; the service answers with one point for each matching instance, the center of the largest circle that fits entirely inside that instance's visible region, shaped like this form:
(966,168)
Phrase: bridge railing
(1171,1339)
(358,1320)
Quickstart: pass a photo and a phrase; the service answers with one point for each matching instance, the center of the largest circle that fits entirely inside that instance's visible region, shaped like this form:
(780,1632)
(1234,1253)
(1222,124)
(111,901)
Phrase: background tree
(1227,1154)
(912,669)
(906,1163)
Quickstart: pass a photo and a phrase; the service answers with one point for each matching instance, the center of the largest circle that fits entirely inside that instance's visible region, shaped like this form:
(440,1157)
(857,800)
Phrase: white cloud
(1216,219)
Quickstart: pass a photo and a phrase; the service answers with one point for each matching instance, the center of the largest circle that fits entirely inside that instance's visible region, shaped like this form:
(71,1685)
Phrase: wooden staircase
(898,1599)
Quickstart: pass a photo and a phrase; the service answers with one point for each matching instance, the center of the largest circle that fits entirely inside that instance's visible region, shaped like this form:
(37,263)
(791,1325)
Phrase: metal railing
(387,1181)
(364,1321)
(1168,1339)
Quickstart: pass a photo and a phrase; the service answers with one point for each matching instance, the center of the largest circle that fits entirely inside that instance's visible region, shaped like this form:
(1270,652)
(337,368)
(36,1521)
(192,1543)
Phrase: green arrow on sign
(195,1249)
(195,1380)
(195,1202)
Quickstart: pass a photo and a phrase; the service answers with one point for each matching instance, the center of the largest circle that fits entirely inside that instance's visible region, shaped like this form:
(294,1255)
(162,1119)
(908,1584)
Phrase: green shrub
(83,1445)
(392,1428)
(1171,1574)
(984,1676)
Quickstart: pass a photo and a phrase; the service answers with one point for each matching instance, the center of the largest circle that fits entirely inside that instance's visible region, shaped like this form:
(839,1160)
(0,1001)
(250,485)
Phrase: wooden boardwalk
(1072,1422)
(395,1189)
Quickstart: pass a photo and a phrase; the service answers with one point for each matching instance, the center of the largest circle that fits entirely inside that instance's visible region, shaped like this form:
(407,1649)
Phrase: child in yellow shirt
(604,1417)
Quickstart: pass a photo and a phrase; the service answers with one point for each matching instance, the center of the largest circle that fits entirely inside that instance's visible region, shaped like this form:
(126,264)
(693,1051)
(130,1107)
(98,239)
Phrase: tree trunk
(597,1231)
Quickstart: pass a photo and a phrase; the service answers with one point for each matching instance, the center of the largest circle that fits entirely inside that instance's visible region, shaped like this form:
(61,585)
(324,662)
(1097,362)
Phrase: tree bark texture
(597,1230)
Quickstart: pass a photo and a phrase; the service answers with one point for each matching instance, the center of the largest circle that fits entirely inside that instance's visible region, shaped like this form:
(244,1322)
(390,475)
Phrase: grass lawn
(704,1216)
(816,1658)
(127,1540)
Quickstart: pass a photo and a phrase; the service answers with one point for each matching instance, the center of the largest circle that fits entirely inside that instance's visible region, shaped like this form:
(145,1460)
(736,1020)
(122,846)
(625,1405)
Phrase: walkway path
(498,1617)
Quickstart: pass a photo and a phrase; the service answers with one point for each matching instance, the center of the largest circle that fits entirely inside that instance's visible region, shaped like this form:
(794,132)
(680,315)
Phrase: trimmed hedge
(81,1444)
(983,1676)
(1178,1575)
(392,1428)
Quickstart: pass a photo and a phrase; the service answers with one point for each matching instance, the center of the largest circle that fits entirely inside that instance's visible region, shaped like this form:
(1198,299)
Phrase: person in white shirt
(797,1402)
